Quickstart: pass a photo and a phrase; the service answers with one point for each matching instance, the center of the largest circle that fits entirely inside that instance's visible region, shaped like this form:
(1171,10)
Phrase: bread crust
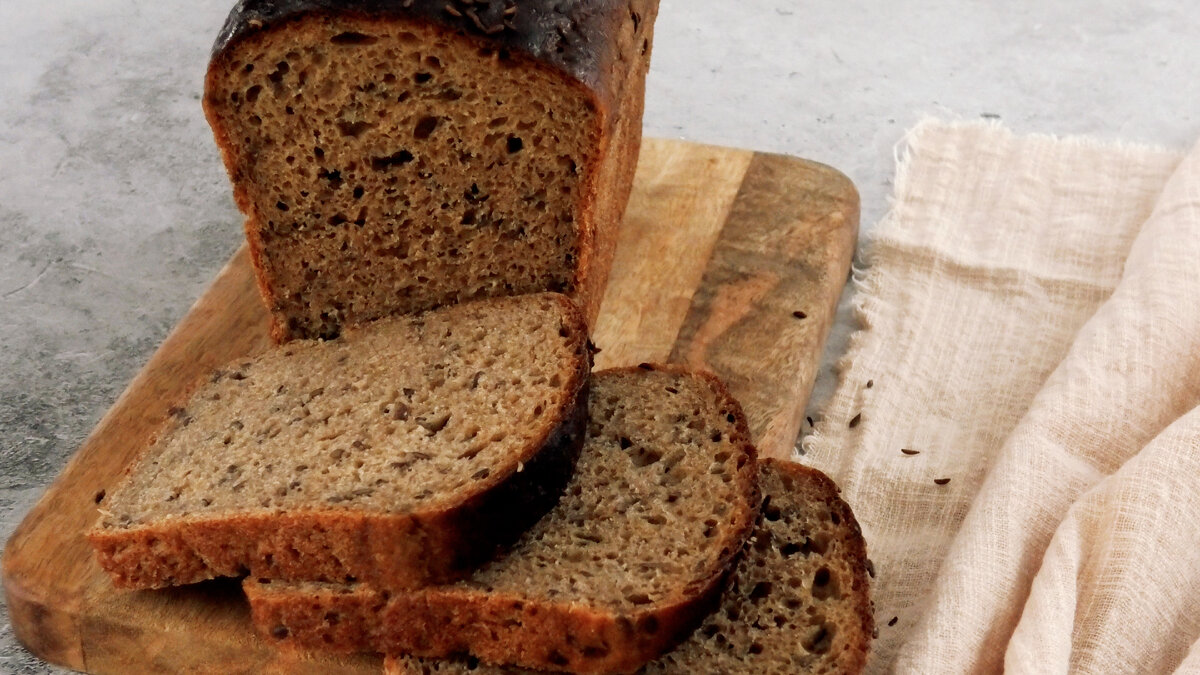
(586,41)
(567,35)
(502,628)
(619,157)
(427,546)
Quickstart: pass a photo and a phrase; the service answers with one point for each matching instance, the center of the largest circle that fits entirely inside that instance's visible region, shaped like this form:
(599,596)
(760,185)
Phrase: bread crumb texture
(797,603)
(662,477)
(663,497)
(407,415)
(391,165)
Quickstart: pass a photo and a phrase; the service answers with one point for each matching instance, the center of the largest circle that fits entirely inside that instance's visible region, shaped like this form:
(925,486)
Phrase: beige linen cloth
(1030,317)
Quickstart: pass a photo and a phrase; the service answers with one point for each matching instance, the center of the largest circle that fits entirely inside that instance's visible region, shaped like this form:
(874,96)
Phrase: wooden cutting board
(729,259)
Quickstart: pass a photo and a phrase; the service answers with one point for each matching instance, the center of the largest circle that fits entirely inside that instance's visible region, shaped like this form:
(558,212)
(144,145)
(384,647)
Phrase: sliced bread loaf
(797,604)
(395,155)
(628,562)
(404,452)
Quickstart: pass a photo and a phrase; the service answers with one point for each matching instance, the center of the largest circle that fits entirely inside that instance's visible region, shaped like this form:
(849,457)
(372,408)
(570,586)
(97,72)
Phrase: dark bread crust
(435,545)
(601,47)
(501,628)
(572,36)
(620,147)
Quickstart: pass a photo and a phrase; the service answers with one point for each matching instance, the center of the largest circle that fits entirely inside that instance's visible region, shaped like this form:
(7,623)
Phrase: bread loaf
(396,155)
(797,604)
(403,452)
(624,566)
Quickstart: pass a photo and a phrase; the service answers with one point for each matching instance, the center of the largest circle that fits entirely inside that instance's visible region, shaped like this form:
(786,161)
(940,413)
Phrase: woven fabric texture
(1016,422)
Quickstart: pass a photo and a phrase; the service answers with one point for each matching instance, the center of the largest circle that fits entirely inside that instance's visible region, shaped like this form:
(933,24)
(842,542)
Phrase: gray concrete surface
(115,213)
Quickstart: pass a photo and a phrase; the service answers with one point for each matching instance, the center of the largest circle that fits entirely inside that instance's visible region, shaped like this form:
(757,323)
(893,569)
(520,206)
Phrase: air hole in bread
(282,68)
(770,511)
(425,127)
(819,639)
(398,158)
(824,585)
(761,590)
(353,38)
(789,549)
(354,129)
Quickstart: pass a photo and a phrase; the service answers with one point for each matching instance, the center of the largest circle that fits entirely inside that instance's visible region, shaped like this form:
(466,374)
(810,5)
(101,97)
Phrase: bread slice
(797,604)
(624,566)
(392,156)
(404,452)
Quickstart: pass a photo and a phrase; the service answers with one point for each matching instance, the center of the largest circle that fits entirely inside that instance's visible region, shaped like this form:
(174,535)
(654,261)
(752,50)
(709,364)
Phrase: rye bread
(797,604)
(394,155)
(404,452)
(626,564)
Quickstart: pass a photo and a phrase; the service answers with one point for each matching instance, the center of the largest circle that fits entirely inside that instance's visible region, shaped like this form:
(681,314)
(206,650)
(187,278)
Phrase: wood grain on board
(729,260)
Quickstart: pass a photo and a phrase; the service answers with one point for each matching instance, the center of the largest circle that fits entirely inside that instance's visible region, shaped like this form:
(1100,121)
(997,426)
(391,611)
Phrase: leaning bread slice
(628,562)
(404,452)
(797,604)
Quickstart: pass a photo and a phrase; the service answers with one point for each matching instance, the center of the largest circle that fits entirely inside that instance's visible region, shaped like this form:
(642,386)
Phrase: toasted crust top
(573,36)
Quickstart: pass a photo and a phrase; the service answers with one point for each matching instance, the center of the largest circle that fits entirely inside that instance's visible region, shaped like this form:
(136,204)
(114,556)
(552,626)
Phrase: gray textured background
(115,213)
